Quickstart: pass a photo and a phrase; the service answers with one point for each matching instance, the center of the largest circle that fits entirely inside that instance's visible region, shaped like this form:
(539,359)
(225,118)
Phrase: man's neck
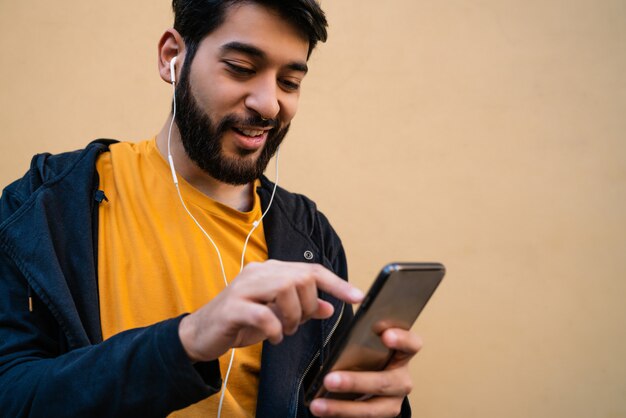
(236,197)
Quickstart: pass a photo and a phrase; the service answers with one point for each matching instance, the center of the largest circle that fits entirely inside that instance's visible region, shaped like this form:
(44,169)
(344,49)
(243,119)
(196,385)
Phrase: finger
(393,382)
(324,310)
(263,281)
(334,285)
(289,310)
(307,293)
(263,319)
(405,343)
(374,407)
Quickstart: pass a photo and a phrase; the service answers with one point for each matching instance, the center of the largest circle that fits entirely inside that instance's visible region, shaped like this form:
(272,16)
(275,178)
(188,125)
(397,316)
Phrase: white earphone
(173,70)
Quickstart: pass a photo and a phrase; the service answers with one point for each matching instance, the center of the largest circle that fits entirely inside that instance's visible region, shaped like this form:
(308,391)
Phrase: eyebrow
(255,52)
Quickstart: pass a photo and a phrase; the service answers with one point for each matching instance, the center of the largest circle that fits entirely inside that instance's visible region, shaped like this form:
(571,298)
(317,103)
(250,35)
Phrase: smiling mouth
(252,133)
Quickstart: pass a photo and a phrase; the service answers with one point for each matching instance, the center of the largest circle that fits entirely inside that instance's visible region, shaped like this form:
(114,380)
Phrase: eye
(289,85)
(238,69)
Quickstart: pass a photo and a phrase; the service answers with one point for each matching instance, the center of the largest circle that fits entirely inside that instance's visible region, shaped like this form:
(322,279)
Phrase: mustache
(232,120)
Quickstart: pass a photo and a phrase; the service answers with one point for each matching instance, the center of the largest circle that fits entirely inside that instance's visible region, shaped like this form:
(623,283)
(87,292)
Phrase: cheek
(289,107)
(215,97)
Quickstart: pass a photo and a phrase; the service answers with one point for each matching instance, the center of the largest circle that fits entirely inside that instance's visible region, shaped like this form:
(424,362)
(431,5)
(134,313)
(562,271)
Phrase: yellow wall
(488,135)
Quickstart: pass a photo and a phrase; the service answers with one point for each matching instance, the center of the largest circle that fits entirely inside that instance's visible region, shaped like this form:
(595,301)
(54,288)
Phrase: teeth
(248,132)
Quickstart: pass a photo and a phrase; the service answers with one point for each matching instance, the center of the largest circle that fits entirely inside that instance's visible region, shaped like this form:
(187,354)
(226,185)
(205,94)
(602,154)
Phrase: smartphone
(395,299)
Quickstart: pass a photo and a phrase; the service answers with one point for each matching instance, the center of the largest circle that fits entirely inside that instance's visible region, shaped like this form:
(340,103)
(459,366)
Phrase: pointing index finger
(334,285)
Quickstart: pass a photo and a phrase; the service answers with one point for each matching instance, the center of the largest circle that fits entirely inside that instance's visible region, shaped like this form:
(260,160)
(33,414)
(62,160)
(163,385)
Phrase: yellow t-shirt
(155,263)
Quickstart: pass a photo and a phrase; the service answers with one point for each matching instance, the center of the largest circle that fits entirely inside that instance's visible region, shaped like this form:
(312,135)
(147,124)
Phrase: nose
(263,98)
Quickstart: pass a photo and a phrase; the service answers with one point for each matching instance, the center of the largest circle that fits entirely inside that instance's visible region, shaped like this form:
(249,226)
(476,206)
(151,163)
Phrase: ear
(171,45)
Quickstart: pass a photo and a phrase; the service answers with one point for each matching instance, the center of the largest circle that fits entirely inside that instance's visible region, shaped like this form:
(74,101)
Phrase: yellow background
(488,135)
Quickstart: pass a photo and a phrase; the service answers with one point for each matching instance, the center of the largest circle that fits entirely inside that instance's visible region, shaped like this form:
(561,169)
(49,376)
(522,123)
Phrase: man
(104,251)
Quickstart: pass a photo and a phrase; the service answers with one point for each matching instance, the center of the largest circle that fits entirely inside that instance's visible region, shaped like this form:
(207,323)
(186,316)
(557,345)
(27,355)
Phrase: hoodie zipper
(308,368)
(30,299)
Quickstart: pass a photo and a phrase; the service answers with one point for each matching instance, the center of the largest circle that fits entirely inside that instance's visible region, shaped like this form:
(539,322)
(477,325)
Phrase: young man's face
(243,88)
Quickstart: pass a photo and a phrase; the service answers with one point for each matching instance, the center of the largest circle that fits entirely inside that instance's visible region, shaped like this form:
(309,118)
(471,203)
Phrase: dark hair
(195,19)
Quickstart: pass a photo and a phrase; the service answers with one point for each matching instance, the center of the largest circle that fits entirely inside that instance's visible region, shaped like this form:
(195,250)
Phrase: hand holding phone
(394,301)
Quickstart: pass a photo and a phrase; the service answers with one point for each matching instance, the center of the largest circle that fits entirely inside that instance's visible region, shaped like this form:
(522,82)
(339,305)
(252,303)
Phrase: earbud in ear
(173,70)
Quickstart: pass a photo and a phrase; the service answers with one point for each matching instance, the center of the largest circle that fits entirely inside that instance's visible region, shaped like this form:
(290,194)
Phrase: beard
(202,139)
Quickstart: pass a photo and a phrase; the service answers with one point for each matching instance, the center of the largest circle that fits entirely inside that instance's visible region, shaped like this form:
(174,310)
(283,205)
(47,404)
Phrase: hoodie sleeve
(141,372)
(48,365)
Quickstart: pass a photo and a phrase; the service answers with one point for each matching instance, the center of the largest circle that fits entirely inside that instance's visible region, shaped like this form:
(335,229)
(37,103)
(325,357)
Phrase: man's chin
(246,154)
(236,170)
